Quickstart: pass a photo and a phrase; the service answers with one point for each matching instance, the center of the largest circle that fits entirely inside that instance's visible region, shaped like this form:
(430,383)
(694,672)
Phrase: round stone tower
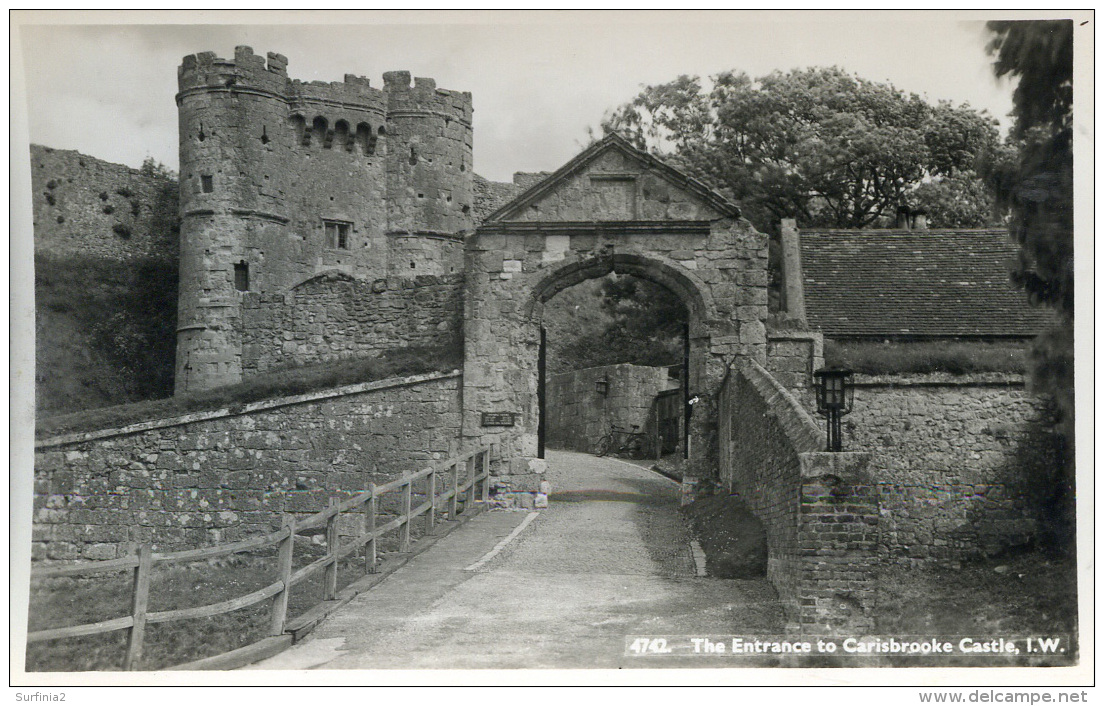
(282,180)
(219,101)
(429,174)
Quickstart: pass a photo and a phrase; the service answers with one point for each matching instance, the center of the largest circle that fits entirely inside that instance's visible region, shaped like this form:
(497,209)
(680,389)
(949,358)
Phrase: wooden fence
(463,480)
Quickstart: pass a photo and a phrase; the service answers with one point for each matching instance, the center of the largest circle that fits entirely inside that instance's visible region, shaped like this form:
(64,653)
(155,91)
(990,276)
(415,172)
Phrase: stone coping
(223,412)
(843,466)
(941,380)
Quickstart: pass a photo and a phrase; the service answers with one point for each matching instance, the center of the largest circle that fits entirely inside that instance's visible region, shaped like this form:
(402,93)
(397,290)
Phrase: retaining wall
(220,476)
(965,458)
(820,510)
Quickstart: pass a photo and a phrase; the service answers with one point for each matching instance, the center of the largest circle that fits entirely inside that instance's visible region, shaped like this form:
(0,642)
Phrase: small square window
(337,234)
(208,183)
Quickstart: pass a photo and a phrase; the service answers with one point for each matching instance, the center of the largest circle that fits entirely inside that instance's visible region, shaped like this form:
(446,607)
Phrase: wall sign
(498,419)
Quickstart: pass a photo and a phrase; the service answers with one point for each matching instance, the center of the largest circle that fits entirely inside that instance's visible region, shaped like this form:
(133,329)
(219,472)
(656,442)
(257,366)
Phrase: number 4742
(644,645)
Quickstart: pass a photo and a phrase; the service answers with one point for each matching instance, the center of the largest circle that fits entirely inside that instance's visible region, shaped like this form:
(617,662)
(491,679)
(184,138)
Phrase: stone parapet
(220,476)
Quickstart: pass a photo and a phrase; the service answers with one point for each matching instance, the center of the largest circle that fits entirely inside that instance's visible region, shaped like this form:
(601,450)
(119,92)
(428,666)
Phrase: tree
(1040,54)
(818,144)
(616,319)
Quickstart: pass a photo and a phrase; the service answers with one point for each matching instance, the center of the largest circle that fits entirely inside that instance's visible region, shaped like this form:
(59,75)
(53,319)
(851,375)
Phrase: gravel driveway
(609,557)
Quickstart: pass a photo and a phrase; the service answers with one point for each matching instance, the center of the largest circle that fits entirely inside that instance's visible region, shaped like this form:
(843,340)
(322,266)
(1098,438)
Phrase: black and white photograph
(534,348)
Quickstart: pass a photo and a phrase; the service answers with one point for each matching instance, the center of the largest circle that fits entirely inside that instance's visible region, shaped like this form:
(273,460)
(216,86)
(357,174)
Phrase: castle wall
(966,459)
(221,476)
(85,206)
(578,416)
(282,180)
(333,317)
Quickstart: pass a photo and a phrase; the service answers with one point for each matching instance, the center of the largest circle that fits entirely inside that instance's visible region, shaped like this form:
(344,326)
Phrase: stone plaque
(498,419)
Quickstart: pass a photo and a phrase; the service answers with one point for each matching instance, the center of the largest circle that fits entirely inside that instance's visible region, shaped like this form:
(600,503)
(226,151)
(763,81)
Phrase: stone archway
(692,293)
(611,209)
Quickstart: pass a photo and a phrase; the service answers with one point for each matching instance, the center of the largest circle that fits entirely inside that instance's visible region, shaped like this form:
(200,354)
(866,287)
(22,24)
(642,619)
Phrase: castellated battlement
(248,72)
(283,179)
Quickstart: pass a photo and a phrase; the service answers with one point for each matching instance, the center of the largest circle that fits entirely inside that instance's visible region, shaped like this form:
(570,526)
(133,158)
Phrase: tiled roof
(915,283)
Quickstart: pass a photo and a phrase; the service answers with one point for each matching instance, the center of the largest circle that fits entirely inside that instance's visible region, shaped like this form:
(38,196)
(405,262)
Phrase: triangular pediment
(613,181)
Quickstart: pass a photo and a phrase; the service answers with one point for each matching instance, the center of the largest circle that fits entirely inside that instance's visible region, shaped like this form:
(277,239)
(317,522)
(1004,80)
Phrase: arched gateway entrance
(611,209)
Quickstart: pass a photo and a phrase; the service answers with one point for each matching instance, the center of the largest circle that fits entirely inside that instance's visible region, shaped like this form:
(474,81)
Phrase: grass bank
(956,358)
(280,383)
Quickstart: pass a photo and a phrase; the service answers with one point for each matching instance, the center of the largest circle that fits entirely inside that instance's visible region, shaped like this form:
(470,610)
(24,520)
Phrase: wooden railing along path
(284,539)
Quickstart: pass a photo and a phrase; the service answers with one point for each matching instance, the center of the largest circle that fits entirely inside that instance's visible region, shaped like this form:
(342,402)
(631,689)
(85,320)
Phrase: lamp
(602,386)
(835,397)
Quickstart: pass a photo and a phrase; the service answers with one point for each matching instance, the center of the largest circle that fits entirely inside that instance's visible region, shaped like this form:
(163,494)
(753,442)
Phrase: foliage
(1015,594)
(890,358)
(277,383)
(959,200)
(1040,54)
(614,320)
(105,334)
(818,144)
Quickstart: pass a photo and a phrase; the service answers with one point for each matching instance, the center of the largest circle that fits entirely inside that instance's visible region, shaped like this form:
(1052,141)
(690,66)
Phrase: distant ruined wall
(578,416)
(85,206)
(215,477)
(334,317)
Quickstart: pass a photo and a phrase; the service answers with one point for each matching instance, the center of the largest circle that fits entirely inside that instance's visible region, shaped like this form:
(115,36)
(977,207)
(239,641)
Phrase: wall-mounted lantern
(835,397)
(602,387)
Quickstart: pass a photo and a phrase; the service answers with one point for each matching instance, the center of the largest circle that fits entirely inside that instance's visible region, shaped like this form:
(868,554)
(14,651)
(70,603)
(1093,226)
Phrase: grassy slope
(104,332)
(278,383)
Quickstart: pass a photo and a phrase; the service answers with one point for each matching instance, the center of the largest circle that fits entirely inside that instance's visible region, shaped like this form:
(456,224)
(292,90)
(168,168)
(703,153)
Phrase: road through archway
(609,557)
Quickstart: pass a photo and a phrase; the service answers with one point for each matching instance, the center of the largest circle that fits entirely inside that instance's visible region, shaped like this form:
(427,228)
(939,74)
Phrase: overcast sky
(538,80)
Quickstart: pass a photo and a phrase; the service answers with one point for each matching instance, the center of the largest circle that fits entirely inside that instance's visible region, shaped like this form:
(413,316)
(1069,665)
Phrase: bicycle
(634,444)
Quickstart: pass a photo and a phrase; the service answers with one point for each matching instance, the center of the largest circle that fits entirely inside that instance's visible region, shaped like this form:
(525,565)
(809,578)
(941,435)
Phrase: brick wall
(220,476)
(578,416)
(335,316)
(964,458)
(820,510)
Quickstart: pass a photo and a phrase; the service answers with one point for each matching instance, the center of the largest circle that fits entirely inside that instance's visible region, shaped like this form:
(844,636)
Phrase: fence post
(470,503)
(658,437)
(283,575)
(431,492)
(370,522)
(454,472)
(329,588)
(404,535)
(138,607)
(486,474)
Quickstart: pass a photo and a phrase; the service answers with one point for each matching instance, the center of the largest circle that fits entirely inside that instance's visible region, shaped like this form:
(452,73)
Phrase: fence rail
(283,539)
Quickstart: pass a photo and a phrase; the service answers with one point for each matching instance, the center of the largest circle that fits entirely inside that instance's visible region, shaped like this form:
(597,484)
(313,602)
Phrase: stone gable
(612,181)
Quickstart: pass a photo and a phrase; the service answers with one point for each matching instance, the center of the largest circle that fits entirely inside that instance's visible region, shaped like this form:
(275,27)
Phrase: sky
(104,83)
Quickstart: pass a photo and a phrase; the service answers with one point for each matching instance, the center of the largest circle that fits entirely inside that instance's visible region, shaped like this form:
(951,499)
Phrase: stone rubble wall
(964,459)
(218,477)
(820,510)
(85,206)
(792,356)
(334,317)
(578,416)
